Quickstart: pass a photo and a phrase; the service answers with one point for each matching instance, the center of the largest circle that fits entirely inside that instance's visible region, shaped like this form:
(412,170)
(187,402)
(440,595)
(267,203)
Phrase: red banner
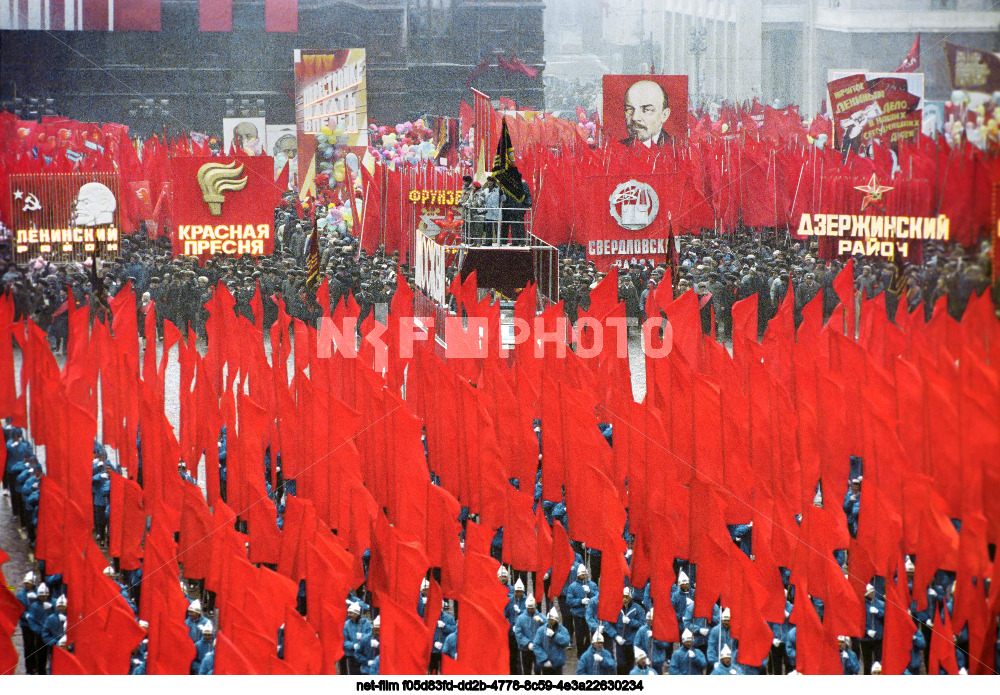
(646,110)
(63,217)
(224,205)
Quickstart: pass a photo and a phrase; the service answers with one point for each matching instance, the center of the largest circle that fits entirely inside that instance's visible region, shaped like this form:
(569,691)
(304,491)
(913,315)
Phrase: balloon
(338,174)
(325,130)
(322,139)
(349,222)
(352,161)
(325,166)
(342,227)
(337,215)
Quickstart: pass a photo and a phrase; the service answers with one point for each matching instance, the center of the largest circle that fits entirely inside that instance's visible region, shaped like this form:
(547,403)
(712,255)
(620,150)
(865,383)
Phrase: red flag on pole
(911,63)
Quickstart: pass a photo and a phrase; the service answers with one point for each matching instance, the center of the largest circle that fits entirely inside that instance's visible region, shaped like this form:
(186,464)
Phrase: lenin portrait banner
(224,205)
(648,110)
(63,217)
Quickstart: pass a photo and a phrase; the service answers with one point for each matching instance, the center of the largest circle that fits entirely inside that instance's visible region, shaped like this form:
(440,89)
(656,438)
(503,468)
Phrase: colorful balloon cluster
(409,142)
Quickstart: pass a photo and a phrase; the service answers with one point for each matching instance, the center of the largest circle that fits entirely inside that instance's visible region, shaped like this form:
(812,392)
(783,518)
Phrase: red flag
(911,63)
(303,650)
(562,559)
(127,522)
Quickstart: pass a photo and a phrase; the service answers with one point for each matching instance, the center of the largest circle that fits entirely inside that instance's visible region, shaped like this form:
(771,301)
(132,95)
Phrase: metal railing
(478,230)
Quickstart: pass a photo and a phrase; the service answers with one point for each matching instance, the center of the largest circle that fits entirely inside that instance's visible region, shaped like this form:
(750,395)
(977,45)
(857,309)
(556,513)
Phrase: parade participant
(657,651)
(642,665)
(195,621)
(578,596)
(357,629)
(596,660)
(525,627)
(719,637)
(871,642)
(368,652)
(725,666)
(687,661)
(446,625)
(514,608)
(204,645)
(852,666)
(550,644)
(630,618)
(38,612)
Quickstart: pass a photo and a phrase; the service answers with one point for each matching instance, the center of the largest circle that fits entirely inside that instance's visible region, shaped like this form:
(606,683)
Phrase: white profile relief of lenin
(95,205)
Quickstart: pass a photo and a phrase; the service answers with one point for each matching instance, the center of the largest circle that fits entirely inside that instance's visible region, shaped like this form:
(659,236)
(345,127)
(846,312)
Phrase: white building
(780,49)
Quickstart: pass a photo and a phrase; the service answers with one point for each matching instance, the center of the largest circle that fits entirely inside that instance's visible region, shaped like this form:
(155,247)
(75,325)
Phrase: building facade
(420,54)
(781,50)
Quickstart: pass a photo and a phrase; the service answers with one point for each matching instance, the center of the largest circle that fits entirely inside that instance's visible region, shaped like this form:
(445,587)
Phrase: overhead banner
(872,107)
(645,110)
(283,145)
(972,69)
(63,217)
(244,135)
(330,96)
(224,205)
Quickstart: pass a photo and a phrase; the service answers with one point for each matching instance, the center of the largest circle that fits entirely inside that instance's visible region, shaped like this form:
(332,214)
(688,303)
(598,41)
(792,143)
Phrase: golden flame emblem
(214,179)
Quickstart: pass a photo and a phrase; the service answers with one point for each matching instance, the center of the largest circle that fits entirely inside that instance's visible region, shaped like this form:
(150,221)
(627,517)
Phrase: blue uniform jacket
(919,645)
(525,628)
(686,662)
(679,600)
(22,596)
(852,666)
(654,648)
(553,648)
(207,667)
(451,645)
(514,608)
(636,671)
(718,637)
(696,625)
(367,652)
(874,622)
(194,627)
(352,631)
(202,648)
(38,612)
(629,621)
(53,629)
(733,669)
(446,625)
(575,594)
(588,666)
(591,615)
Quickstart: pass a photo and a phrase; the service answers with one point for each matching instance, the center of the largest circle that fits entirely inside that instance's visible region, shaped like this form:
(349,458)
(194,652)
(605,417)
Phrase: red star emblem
(873,192)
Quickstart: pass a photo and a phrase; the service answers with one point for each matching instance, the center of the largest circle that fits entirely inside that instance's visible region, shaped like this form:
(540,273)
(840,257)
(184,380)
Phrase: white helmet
(682,578)
(553,614)
(195,606)
(639,654)
(518,585)
(61,601)
(378,620)
(726,651)
(354,609)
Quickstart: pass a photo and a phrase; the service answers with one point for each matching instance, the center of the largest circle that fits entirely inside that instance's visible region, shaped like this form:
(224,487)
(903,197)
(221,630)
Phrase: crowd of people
(725,270)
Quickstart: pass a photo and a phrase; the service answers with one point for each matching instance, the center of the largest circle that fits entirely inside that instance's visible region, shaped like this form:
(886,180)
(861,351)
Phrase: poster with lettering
(972,69)
(63,217)
(330,97)
(224,205)
(874,107)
